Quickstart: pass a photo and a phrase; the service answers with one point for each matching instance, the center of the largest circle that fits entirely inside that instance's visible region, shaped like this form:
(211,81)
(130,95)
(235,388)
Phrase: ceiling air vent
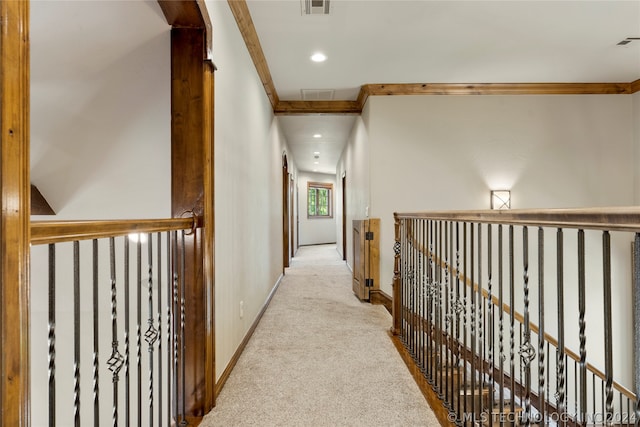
(315,7)
(317,94)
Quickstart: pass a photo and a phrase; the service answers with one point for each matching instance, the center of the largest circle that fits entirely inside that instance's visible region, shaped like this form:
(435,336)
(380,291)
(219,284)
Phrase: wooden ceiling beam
(288,108)
(242,16)
(496,89)
(188,14)
(635,86)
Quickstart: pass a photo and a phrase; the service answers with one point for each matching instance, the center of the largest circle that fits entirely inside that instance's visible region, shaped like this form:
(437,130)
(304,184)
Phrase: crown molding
(242,16)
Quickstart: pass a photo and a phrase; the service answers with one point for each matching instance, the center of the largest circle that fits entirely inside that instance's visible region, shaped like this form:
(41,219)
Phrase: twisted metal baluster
(175,325)
(512,333)
(159,293)
(473,319)
(464,318)
(501,355)
(139,330)
(151,334)
(127,322)
(52,335)
(541,341)
(182,327)
(491,318)
(527,353)
(459,308)
(96,366)
(481,335)
(608,328)
(582,326)
(439,313)
(560,359)
(76,333)
(445,366)
(170,282)
(116,360)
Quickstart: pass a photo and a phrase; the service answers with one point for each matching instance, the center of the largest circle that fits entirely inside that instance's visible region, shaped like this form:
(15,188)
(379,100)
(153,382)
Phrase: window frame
(314,186)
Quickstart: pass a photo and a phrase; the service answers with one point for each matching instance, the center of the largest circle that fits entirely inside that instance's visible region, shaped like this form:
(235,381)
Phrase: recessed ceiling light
(316,163)
(316,153)
(317,135)
(318,57)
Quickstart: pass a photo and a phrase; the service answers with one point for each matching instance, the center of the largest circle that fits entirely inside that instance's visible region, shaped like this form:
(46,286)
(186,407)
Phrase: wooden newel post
(397,279)
(192,194)
(14,223)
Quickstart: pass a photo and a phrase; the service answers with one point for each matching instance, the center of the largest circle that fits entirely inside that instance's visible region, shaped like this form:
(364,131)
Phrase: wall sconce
(500,199)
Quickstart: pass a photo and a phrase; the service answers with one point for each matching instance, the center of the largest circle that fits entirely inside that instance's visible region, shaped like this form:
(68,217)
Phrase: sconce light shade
(500,199)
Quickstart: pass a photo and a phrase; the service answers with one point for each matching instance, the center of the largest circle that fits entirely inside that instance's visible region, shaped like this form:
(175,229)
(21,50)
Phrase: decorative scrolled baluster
(116,360)
(151,334)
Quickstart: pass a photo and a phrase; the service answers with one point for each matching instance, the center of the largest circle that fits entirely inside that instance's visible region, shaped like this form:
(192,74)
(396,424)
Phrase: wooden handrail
(611,219)
(45,232)
(505,307)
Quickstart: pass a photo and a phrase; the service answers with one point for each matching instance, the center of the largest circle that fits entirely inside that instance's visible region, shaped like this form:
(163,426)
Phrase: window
(319,200)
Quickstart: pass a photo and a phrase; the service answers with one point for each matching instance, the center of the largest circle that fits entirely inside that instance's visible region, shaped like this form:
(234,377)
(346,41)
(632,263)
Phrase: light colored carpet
(320,357)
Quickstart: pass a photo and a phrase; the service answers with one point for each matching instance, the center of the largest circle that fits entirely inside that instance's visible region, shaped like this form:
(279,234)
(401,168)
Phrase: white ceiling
(422,41)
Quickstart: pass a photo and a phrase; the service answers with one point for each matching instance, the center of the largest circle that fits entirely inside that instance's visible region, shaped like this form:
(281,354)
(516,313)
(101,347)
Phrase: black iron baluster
(139,330)
(76,333)
(116,360)
(473,319)
(608,327)
(182,327)
(527,353)
(96,366)
(636,324)
(52,335)
(151,334)
(159,292)
(127,322)
(490,319)
(438,292)
(481,334)
(582,326)
(451,345)
(541,341)
(444,370)
(170,372)
(464,328)
(459,309)
(560,359)
(512,319)
(501,355)
(175,310)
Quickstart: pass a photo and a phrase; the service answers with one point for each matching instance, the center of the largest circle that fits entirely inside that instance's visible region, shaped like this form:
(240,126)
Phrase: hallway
(319,357)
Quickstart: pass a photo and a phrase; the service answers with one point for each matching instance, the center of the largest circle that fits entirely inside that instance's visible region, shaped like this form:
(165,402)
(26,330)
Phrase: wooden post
(14,228)
(397,280)
(192,191)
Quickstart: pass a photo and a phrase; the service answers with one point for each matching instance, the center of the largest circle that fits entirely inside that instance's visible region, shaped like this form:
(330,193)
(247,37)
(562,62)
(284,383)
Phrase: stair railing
(108,319)
(468,286)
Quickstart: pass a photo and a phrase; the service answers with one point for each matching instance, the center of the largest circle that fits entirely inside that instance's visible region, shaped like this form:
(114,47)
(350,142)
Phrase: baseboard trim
(378,297)
(430,396)
(232,363)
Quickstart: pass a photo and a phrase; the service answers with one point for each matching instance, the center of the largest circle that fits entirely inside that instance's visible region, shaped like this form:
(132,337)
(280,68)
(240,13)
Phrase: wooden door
(366,257)
(359,256)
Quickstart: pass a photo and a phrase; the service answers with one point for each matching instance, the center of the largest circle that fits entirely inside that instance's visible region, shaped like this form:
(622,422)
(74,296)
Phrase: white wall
(248,188)
(435,153)
(314,231)
(354,165)
(101,109)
